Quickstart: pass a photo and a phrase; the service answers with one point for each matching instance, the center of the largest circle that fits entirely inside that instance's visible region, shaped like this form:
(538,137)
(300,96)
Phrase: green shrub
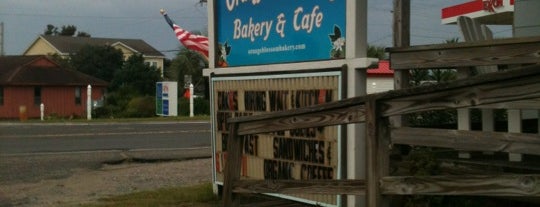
(116,102)
(200,106)
(183,106)
(143,106)
(102,112)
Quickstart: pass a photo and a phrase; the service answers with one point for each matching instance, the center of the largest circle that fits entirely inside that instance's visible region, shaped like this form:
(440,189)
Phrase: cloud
(24,20)
(140,19)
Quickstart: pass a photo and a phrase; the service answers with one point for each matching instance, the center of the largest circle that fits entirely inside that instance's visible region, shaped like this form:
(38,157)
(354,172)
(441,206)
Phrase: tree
(440,118)
(132,89)
(83,34)
(376,52)
(187,62)
(445,75)
(63,62)
(136,74)
(66,30)
(422,76)
(98,61)
(419,76)
(51,30)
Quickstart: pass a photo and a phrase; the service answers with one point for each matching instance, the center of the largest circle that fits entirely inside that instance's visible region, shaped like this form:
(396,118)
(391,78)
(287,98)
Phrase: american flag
(195,42)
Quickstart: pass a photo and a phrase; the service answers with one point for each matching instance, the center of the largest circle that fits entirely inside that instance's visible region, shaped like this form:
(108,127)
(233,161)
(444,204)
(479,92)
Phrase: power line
(380,39)
(173,50)
(96,17)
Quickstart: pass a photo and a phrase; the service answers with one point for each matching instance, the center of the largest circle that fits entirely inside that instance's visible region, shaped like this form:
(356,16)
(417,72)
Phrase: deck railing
(515,88)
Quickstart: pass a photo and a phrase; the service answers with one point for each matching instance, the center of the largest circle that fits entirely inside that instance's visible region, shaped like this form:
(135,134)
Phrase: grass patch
(199,195)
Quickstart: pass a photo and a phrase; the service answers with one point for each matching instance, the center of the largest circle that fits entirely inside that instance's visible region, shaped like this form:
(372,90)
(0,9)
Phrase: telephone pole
(1,38)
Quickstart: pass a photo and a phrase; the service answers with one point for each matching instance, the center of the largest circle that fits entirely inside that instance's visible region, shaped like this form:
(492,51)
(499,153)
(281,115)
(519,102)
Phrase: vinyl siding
(40,48)
(379,84)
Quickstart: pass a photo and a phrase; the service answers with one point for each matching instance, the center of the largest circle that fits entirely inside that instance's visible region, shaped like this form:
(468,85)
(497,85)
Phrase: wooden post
(232,165)
(402,23)
(377,141)
(401,38)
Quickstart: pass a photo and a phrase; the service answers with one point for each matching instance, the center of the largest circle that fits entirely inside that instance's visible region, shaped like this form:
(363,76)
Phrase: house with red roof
(26,82)
(380,79)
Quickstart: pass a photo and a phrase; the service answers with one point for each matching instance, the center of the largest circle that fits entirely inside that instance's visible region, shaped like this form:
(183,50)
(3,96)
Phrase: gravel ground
(88,185)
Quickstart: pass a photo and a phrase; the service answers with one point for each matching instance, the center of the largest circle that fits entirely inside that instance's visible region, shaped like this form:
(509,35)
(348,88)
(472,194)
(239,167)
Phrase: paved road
(33,152)
(69,137)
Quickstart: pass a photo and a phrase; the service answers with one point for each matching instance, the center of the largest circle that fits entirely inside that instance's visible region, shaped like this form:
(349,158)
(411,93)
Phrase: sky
(25,20)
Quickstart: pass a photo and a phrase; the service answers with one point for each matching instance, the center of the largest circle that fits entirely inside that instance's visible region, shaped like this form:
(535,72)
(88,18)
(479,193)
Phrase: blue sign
(166,98)
(159,98)
(165,107)
(257,32)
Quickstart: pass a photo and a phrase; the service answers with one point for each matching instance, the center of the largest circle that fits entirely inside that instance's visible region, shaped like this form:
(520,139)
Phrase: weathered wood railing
(497,89)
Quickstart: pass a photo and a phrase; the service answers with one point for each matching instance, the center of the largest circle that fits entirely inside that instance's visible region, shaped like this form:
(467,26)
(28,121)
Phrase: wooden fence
(516,88)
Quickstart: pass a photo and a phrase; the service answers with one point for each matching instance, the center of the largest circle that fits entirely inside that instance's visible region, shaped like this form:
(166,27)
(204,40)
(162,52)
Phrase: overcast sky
(25,20)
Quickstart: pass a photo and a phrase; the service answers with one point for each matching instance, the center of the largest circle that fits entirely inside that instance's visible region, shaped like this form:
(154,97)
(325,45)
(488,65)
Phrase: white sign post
(42,110)
(191,100)
(89,102)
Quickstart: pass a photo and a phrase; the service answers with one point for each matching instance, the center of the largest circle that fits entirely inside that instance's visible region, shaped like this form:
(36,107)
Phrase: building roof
(70,45)
(42,71)
(484,11)
(382,70)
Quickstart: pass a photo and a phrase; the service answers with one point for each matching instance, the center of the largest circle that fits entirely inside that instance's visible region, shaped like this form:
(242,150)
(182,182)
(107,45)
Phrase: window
(1,95)
(37,95)
(152,63)
(78,95)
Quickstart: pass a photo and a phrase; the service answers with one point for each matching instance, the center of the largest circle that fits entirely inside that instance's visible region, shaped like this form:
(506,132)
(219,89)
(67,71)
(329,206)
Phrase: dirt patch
(86,186)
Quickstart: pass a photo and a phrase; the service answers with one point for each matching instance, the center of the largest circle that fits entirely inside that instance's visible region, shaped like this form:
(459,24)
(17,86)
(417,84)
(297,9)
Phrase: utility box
(167,98)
